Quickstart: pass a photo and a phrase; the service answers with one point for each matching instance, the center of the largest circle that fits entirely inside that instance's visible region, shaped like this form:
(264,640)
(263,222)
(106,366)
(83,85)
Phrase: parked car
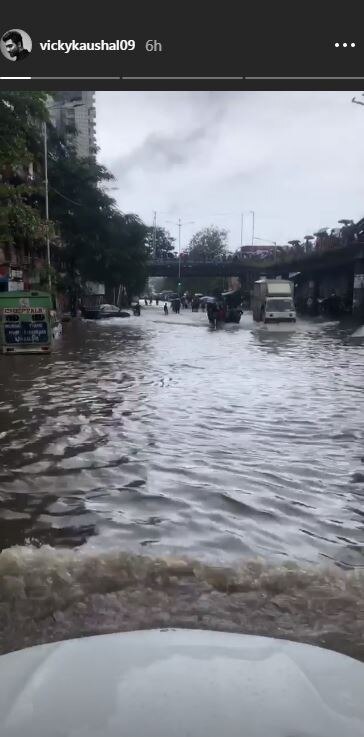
(101,312)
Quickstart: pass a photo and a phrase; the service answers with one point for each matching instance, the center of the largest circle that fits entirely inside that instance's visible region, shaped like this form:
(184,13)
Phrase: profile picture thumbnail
(15,45)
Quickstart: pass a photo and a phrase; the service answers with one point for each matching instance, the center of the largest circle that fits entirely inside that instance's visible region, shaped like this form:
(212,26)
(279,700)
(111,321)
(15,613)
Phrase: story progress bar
(181,78)
(125,77)
(60,78)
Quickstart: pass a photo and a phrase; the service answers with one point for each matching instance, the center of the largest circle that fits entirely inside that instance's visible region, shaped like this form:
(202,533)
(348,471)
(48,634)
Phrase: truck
(273,301)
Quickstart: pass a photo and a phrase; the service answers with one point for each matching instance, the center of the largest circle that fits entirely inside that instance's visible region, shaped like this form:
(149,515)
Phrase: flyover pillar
(283,274)
(358,289)
(312,296)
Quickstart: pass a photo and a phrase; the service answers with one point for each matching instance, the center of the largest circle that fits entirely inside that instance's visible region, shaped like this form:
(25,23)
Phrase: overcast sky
(295,158)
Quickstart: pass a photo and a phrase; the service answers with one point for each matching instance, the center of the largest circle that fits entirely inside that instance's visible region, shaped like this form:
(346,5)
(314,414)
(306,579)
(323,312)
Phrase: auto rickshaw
(224,309)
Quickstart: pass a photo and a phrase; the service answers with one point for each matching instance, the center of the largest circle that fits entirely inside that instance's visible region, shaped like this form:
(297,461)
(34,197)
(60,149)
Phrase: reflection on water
(159,436)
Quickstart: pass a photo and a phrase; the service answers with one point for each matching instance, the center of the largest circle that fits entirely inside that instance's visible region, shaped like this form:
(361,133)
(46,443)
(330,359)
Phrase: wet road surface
(157,472)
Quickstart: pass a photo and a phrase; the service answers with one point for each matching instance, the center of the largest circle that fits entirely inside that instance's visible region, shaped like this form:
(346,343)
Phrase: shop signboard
(26,332)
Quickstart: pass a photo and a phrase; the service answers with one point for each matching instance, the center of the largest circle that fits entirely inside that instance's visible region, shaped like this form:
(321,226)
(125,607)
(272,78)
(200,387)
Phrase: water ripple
(167,435)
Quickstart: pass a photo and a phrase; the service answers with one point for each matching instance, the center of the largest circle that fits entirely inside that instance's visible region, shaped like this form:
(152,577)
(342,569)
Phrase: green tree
(100,243)
(20,130)
(81,210)
(21,217)
(208,244)
(164,243)
(94,240)
(126,254)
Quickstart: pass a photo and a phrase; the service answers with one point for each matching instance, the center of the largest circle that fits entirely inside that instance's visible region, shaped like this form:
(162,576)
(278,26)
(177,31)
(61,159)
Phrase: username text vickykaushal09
(67,46)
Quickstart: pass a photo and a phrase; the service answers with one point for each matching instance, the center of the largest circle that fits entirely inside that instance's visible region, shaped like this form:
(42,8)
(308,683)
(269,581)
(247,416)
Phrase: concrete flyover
(170,268)
(319,262)
(337,258)
(316,275)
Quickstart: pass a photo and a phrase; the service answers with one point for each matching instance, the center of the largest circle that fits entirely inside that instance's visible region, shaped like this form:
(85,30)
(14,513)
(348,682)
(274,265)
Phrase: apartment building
(74,116)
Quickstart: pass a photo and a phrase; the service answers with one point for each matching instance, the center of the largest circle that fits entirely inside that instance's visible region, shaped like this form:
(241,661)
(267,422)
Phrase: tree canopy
(208,244)
(20,130)
(100,242)
(97,241)
(21,221)
(164,243)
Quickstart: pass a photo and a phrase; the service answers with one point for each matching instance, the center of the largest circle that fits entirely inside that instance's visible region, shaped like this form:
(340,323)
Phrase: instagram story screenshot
(181,374)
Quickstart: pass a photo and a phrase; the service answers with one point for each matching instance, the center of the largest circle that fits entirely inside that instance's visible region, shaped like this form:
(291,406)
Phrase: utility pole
(179,252)
(179,225)
(242,229)
(253,226)
(47,203)
(45,141)
(155,235)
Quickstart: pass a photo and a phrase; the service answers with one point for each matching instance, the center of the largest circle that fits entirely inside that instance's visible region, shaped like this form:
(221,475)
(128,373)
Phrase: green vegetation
(208,244)
(21,221)
(160,240)
(91,239)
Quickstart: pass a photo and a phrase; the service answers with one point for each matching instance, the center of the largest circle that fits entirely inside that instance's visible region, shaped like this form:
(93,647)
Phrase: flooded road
(156,472)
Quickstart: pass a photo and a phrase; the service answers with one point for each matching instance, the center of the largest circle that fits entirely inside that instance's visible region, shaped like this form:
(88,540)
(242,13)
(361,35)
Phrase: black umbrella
(209,300)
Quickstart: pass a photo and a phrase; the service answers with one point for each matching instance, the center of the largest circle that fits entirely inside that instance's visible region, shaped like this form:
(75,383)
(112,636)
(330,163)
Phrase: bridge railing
(271,259)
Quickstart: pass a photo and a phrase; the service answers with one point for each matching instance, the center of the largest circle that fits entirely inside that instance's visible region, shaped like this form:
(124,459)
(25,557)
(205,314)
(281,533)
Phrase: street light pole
(45,140)
(242,229)
(155,235)
(274,243)
(179,251)
(253,226)
(179,224)
(47,203)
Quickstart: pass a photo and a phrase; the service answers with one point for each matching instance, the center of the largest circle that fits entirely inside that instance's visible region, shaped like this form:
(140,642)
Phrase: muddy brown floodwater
(155,472)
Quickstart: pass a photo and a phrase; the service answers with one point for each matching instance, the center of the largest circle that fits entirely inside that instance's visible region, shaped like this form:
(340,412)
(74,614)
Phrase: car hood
(180,683)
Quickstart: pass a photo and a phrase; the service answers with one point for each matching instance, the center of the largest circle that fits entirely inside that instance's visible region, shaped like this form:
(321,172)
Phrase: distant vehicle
(224,309)
(273,301)
(101,312)
(28,322)
(168,296)
(233,306)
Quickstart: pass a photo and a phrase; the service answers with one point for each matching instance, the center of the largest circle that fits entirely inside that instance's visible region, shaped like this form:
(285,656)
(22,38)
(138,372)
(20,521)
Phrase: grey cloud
(161,152)
(295,158)
(168,150)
